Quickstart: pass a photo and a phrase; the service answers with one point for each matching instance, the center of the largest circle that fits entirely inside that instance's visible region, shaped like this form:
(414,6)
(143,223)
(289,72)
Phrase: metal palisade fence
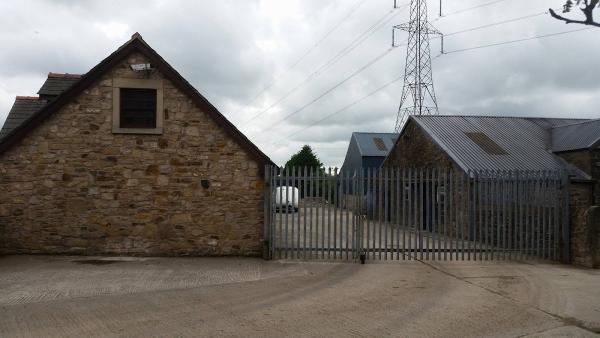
(415,213)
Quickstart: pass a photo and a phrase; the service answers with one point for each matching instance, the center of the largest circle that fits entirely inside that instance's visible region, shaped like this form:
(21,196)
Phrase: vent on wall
(486,143)
(379,144)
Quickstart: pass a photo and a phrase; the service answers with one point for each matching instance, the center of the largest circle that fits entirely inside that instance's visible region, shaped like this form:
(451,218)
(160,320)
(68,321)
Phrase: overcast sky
(230,50)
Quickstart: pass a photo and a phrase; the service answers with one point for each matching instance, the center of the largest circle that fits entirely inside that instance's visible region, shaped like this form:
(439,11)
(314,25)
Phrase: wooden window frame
(137,84)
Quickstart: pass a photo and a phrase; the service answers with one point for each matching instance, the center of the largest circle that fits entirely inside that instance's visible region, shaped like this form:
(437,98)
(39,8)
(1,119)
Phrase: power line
(399,78)
(497,23)
(354,103)
(473,8)
(450,52)
(370,63)
(333,29)
(518,40)
(297,62)
(381,22)
(525,17)
(418,93)
(386,52)
(450,34)
(360,39)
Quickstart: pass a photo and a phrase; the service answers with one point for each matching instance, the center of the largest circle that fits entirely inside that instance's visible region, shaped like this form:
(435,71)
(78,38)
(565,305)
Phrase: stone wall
(72,186)
(594,212)
(593,221)
(580,201)
(595,154)
(583,198)
(582,159)
(415,149)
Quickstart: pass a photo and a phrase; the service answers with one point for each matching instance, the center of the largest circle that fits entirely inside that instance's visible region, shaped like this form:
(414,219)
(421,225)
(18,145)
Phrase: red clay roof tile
(28,98)
(63,75)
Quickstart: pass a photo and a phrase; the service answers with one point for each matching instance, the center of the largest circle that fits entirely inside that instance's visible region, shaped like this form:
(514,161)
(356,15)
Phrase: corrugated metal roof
(527,141)
(576,136)
(375,144)
(21,110)
(57,83)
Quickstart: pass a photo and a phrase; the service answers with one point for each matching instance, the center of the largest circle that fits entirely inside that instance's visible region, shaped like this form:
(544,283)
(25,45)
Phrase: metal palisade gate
(415,213)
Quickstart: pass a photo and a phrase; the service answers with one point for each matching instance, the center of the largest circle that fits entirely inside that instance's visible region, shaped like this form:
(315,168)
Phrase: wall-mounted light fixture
(141,67)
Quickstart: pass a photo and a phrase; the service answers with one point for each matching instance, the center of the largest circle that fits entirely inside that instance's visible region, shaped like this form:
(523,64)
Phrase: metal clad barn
(368,150)
(576,136)
(504,143)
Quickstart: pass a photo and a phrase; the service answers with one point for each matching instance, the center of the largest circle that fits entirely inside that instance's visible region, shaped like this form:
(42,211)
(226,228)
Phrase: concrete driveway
(141,297)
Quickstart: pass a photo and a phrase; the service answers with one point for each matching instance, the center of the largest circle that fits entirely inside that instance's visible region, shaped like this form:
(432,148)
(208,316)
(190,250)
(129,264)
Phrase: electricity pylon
(418,75)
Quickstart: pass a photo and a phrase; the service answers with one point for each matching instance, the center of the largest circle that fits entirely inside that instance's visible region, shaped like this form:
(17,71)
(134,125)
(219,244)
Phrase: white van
(286,198)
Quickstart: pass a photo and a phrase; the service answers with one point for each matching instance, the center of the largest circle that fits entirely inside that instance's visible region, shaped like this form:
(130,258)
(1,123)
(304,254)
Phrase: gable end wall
(72,186)
(415,149)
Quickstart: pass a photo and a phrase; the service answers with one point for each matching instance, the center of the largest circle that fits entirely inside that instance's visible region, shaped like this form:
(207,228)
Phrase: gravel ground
(230,297)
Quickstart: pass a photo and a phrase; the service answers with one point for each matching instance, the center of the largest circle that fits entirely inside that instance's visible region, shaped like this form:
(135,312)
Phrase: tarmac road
(231,297)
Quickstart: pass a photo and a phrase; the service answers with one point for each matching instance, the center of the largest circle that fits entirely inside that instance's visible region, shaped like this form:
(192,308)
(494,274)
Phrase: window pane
(138,108)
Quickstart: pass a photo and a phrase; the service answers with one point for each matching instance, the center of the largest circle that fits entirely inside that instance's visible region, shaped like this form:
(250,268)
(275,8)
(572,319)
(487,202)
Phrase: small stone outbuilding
(512,143)
(127,159)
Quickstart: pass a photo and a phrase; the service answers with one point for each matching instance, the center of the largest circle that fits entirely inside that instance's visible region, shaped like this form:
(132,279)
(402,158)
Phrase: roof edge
(53,75)
(360,151)
(573,150)
(583,120)
(440,144)
(31,98)
(576,123)
(374,132)
(136,43)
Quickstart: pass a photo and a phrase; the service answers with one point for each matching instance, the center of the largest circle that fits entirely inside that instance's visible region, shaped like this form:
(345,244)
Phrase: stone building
(467,143)
(129,159)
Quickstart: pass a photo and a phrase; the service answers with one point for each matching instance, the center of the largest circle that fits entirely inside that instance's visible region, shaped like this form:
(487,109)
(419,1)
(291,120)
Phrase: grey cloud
(231,49)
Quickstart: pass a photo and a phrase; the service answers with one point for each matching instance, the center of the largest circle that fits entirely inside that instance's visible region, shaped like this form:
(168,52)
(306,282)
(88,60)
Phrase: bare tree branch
(587,10)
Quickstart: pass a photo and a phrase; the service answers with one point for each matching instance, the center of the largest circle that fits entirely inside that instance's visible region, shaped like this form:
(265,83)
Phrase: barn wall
(414,149)
(583,225)
(596,175)
(353,160)
(72,186)
(582,159)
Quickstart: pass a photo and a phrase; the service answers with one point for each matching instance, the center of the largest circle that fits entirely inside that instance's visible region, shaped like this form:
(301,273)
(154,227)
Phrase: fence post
(566,238)
(267,215)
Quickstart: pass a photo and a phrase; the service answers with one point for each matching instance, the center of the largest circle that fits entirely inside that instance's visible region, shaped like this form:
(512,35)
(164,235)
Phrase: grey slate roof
(576,136)
(57,83)
(367,144)
(527,141)
(25,106)
(21,110)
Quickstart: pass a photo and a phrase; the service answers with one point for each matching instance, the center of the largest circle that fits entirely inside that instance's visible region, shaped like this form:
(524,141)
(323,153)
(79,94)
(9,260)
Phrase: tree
(304,158)
(586,6)
(307,158)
